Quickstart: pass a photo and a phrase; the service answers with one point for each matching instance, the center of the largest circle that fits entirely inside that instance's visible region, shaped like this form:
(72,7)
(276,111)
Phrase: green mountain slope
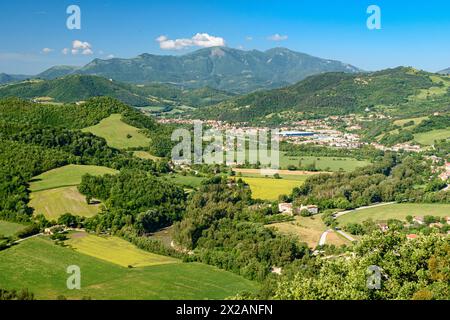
(394,91)
(57,72)
(218,67)
(74,88)
(8,78)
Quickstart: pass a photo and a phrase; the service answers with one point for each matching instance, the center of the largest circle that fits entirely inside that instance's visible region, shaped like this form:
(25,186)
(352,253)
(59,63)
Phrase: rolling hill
(395,91)
(74,88)
(445,71)
(8,78)
(217,67)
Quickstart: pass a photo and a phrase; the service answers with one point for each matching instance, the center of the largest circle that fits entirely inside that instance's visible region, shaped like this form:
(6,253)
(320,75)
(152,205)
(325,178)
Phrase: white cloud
(110,56)
(199,40)
(249,38)
(277,37)
(77,44)
(82,47)
(87,52)
(47,50)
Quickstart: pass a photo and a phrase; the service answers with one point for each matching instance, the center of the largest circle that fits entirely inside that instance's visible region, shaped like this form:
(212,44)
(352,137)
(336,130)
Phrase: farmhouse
(436,225)
(419,219)
(383,227)
(285,207)
(411,236)
(311,208)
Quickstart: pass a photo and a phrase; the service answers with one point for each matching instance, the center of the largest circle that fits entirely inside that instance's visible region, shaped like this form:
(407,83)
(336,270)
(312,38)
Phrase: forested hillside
(75,88)
(394,91)
(35,138)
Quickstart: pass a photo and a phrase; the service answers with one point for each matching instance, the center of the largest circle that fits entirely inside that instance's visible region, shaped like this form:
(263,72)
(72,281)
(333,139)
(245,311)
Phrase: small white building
(285,207)
(313,209)
(419,219)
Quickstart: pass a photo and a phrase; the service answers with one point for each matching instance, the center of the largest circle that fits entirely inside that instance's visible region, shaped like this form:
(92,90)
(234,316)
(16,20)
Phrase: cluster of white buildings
(288,208)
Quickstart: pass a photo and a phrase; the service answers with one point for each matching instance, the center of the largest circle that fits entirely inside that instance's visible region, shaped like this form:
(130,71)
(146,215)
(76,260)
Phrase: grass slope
(69,175)
(323,163)
(309,230)
(395,211)
(429,137)
(9,228)
(53,203)
(39,265)
(116,133)
(115,250)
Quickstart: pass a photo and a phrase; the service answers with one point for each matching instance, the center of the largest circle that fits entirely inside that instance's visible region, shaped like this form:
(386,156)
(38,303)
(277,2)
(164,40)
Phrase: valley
(89,179)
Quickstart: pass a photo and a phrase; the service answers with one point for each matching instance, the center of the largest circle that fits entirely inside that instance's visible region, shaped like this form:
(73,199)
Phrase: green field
(118,134)
(8,229)
(395,211)
(428,138)
(115,250)
(416,121)
(309,230)
(145,155)
(40,266)
(323,163)
(53,203)
(433,91)
(66,176)
(186,181)
(271,189)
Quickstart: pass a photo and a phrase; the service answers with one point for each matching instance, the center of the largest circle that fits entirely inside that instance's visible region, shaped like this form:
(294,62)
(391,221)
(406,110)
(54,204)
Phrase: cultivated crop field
(118,134)
(395,211)
(115,250)
(53,203)
(40,266)
(270,188)
(69,175)
(55,193)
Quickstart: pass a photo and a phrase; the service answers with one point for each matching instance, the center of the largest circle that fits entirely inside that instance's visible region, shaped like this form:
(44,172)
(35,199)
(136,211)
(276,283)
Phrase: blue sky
(414,33)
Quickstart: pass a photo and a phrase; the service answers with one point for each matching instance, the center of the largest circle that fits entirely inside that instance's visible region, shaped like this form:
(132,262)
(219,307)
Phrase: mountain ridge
(75,88)
(398,90)
(220,68)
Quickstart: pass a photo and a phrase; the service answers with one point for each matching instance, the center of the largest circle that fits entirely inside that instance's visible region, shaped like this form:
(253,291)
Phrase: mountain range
(445,71)
(220,68)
